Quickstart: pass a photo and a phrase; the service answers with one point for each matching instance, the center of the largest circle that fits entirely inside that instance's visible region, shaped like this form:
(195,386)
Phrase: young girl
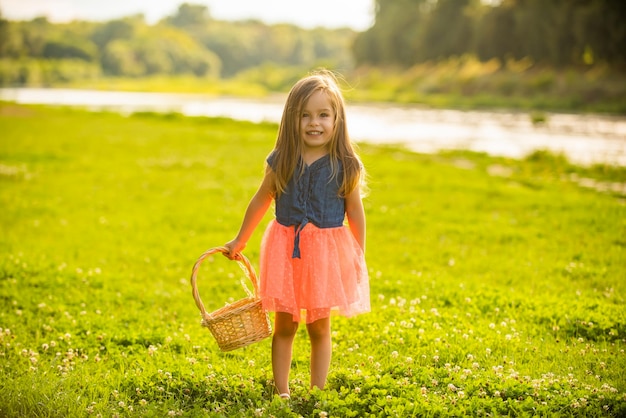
(311,263)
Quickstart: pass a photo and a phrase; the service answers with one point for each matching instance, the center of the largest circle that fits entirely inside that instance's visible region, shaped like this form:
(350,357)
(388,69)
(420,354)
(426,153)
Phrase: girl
(311,263)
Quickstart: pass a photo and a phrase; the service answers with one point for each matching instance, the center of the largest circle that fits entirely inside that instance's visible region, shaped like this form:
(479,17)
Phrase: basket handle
(243,262)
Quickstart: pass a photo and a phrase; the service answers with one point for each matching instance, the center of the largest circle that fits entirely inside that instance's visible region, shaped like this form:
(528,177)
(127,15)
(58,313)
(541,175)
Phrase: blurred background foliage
(554,32)
(415,48)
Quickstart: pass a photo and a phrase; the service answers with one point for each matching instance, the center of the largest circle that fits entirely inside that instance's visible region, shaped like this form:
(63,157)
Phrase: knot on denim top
(311,197)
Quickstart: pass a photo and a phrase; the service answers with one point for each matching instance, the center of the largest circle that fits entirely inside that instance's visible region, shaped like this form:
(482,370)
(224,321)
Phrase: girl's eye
(324,115)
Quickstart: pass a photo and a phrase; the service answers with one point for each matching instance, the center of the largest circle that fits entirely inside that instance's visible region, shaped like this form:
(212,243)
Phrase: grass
(497,285)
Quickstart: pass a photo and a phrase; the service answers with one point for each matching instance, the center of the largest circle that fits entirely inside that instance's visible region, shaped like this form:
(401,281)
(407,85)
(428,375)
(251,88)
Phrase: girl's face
(317,122)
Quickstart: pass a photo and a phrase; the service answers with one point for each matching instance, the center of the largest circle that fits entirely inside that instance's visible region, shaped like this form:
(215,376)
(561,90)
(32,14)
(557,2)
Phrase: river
(583,138)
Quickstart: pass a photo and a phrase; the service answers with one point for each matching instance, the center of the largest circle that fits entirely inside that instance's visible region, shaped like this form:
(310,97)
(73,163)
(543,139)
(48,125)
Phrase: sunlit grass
(171,84)
(497,285)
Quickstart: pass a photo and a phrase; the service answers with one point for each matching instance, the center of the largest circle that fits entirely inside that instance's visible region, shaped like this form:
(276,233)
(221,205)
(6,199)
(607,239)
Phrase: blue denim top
(312,197)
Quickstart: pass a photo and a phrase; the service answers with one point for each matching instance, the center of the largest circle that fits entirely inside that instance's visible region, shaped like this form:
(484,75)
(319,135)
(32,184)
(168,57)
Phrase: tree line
(188,42)
(559,33)
(555,32)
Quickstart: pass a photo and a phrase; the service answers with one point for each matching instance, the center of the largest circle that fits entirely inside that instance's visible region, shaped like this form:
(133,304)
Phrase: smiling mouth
(314,132)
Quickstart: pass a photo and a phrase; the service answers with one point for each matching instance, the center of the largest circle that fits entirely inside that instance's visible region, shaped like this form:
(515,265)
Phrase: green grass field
(497,285)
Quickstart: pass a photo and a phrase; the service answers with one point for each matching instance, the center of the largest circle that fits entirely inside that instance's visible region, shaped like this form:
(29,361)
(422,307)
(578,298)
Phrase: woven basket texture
(238,324)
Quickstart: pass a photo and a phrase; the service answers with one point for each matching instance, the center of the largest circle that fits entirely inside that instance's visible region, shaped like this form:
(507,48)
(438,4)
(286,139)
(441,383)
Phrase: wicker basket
(240,323)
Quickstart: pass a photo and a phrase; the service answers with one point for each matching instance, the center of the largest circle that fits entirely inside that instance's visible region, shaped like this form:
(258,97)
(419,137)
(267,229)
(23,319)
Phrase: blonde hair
(289,145)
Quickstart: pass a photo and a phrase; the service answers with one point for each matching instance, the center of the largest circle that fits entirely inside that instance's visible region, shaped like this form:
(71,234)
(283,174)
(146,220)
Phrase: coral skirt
(331,274)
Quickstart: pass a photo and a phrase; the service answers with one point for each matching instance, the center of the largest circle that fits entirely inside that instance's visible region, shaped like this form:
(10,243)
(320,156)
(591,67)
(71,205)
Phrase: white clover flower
(452,387)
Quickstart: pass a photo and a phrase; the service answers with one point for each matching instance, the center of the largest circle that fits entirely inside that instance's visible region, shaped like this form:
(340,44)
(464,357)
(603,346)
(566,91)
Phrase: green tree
(448,30)
(395,35)
(70,45)
(119,58)
(555,32)
(600,32)
(189,16)
(495,35)
(113,30)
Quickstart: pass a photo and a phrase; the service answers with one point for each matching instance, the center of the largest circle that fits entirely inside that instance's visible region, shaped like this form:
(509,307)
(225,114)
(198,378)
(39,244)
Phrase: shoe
(284,396)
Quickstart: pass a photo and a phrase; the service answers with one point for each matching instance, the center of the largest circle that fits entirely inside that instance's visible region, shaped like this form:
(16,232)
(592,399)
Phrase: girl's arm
(356,216)
(254,213)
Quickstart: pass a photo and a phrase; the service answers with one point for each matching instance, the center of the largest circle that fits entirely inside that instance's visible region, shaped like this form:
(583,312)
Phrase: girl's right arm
(254,213)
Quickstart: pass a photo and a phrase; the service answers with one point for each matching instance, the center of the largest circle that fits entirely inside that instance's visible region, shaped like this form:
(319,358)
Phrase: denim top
(312,197)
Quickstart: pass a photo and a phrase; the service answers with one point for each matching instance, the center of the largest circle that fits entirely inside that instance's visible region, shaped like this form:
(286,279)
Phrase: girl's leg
(284,332)
(321,349)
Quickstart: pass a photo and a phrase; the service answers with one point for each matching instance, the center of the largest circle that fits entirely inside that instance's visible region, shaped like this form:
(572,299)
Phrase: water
(584,139)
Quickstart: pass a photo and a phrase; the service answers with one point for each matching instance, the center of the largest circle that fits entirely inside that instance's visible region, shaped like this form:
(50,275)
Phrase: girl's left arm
(356,216)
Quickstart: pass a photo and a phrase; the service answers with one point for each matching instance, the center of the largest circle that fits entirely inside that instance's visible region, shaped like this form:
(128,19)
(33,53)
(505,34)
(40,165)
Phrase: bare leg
(321,350)
(282,342)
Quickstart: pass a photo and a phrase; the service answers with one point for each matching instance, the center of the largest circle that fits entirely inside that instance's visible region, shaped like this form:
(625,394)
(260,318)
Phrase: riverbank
(457,83)
(497,284)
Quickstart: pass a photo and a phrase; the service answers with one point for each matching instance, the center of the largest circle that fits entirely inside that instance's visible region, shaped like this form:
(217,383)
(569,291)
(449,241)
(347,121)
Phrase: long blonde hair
(289,145)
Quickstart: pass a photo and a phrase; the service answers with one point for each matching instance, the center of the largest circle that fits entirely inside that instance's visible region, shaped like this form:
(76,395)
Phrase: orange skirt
(331,274)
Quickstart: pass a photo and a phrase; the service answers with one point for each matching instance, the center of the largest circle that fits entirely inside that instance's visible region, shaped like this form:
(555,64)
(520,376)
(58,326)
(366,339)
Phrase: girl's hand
(234,248)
